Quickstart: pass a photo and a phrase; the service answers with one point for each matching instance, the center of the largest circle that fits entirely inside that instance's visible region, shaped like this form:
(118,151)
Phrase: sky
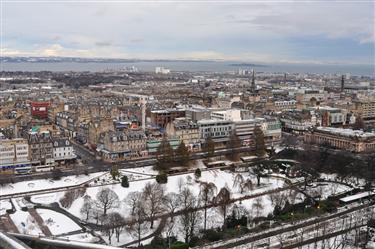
(269,31)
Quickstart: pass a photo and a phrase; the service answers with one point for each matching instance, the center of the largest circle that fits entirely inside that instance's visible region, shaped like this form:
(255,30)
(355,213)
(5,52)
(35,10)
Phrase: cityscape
(177,125)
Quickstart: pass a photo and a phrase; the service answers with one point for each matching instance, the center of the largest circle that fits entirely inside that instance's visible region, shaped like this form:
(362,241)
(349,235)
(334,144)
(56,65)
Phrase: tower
(252,86)
(342,83)
(143,106)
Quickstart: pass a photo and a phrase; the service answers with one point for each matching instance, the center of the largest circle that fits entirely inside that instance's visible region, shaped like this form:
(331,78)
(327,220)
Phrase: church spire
(253,87)
(342,83)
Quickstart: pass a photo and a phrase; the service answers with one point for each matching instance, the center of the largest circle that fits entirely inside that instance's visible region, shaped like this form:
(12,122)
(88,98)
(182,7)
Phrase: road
(93,165)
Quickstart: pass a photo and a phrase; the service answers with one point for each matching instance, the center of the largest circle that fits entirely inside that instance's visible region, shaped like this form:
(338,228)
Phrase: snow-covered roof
(347,132)
(357,196)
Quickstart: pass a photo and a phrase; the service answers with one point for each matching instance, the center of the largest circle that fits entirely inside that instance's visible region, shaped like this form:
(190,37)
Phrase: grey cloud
(136,40)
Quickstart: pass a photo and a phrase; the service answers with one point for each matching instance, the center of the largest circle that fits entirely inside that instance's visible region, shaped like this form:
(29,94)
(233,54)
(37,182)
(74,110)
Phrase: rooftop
(347,132)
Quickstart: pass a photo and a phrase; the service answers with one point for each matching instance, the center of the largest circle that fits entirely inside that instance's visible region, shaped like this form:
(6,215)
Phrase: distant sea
(199,66)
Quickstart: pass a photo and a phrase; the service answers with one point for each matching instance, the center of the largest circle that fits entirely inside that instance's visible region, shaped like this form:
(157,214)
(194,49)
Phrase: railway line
(295,234)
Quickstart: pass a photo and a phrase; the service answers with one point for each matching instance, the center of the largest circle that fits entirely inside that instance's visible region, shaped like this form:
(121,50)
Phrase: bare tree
(223,199)
(118,224)
(107,227)
(86,208)
(154,198)
(206,196)
(258,171)
(258,206)
(169,227)
(180,183)
(238,180)
(137,226)
(290,141)
(96,214)
(107,199)
(246,185)
(187,203)
(195,216)
(172,202)
(132,199)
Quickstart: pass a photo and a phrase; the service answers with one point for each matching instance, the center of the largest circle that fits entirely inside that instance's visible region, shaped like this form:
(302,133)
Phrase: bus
(247,159)
(217,164)
(44,168)
(22,169)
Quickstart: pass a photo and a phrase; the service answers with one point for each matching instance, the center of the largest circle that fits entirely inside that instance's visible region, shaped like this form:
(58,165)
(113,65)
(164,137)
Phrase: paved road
(92,165)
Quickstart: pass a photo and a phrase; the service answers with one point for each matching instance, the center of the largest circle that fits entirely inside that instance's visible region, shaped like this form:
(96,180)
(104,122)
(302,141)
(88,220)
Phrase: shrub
(194,241)
(197,173)
(213,235)
(56,174)
(70,196)
(162,178)
(125,182)
(179,245)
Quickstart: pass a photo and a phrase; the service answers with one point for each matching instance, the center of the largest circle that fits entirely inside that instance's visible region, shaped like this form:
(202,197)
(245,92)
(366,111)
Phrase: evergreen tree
(209,147)
(359,123)
(182,154)
(197,173)
(114,172)
(125,182)
(233,143)
(164,155)
(258,138)
(162,178)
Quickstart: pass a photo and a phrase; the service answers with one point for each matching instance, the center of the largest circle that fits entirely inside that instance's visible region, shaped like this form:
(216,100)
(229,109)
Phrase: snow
(47,198)
(57,222)
(13,243)
(4,206)
(24,222)
(37,185)
(218,177)
(357,196)
(80,244)
(83,237)
(326,189)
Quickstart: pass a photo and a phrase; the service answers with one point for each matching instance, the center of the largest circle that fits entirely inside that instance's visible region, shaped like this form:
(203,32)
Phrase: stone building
(14,156)
(63,151)
(41,150)
(121,145)
(344,139)
(186,131)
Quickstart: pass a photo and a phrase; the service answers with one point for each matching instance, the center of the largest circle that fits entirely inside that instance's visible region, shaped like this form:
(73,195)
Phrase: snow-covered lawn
(24,222)
(35,185)
(218,177)
(326,189)
(353,181)
(47,198)
(4,206)
(56,222)
(127,237)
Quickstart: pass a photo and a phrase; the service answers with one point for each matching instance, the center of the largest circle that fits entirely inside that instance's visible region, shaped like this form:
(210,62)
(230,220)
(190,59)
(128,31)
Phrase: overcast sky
(255,31)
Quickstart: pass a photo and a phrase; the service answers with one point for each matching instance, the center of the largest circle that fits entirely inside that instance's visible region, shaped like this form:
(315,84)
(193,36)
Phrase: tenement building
(344,139)
(14,155)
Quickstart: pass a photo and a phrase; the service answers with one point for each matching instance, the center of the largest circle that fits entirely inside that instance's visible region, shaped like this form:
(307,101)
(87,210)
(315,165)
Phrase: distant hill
(84,60)
(246,65)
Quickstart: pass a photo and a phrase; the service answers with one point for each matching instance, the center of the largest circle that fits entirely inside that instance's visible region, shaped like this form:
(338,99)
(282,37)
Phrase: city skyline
(271,32)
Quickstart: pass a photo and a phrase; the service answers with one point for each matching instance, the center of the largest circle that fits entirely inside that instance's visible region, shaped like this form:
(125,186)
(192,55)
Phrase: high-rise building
(342,83)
